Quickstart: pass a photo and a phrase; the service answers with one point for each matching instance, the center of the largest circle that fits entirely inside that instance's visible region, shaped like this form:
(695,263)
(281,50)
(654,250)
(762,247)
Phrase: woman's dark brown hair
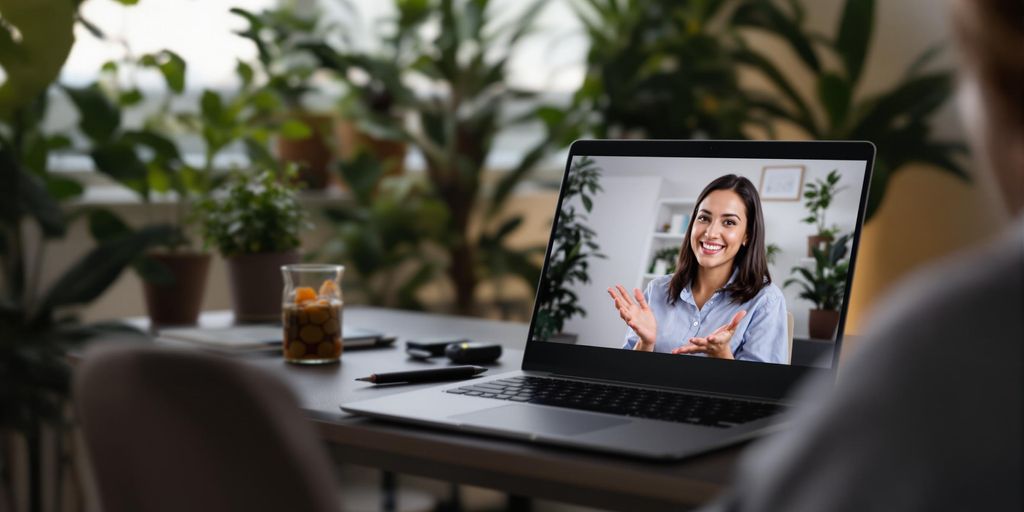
(751,259)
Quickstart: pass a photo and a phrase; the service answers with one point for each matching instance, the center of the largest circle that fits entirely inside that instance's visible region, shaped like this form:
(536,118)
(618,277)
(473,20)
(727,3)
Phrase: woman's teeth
(711,247)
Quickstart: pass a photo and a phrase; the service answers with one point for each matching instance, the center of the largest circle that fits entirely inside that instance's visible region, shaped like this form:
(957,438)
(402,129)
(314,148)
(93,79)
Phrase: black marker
(433,374)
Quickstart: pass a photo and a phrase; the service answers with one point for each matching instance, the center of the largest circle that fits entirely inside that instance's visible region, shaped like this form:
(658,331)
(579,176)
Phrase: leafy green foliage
(825,284)
(896,120)
(573,245)
(257,214)
(35,39)
(388,236)
(460,48)
(818,196)
(661,69)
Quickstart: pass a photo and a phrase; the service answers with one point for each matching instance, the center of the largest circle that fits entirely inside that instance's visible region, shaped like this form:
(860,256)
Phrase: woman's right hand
(637,315)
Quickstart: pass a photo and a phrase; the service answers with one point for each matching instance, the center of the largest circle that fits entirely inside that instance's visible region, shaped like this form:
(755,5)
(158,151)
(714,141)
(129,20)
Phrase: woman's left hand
(715,344)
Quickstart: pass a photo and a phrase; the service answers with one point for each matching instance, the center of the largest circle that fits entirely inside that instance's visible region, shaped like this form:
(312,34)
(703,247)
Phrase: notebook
(263,337)
(704,357)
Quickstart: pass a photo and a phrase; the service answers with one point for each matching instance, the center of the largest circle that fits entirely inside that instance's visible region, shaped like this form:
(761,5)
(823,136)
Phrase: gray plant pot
(256,285)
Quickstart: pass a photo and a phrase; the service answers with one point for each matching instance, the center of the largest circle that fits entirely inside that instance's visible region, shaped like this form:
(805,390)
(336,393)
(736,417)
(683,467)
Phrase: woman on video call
(720,302)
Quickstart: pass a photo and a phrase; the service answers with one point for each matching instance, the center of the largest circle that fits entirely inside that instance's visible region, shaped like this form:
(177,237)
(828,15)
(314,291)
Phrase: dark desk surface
(513,466)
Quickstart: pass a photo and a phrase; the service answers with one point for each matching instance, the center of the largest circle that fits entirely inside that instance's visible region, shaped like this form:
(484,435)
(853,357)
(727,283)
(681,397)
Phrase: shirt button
(695,323)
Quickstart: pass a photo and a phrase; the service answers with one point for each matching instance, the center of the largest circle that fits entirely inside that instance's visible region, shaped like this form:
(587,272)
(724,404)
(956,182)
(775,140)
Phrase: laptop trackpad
(524,418)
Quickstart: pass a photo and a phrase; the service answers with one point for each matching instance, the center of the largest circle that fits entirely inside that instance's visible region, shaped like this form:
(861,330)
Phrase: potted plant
(375,95)
(825,286)
(255,225)
(454,130)
(573,245)
(818,197)
(147,162)
(37,325)
(286,69)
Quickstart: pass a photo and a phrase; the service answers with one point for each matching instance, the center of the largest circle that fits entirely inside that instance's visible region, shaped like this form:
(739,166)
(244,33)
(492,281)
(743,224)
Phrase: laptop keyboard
(624,401)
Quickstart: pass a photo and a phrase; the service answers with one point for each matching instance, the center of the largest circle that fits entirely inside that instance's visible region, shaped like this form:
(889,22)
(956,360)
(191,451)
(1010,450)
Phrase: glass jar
(311,313)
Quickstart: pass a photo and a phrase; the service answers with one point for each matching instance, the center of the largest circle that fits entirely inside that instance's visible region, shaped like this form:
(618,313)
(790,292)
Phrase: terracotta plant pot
(822,324)
(818,241)
(313,154)
(178,302)
(256,285)
(351,138)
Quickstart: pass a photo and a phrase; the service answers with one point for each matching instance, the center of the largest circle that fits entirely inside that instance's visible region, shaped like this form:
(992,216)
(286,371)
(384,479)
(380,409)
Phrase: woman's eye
(730,223)
(702,218)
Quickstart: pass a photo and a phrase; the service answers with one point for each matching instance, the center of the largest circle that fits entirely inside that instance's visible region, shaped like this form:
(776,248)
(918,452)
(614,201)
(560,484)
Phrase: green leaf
(35,200)
(211,107)
(119,161)
(32,60)
(62,189)
(294,129)
(170,65)
(765,15)
(98,117)
(836,95)
(97,270)
(855,29)
(105,225)
(245,73)
(130,97)
(914,98)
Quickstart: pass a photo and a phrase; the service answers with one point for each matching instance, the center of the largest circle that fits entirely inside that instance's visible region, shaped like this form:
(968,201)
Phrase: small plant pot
(818,241)
(390,152)
(822,324)
(179,301)
(312,154)
(256,285)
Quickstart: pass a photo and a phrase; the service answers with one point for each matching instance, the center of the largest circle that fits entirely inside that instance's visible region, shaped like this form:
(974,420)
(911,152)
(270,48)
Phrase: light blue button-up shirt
(761,336)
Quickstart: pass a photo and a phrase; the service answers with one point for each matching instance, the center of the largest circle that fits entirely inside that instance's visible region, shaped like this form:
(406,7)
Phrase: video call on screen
(623,222)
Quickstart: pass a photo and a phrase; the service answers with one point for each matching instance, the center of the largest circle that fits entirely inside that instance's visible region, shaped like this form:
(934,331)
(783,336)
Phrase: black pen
(433,374)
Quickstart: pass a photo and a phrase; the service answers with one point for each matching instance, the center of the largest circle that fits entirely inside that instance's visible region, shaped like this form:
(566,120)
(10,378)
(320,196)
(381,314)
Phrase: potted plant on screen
(572,247)
(255,225)
(825,286)
(818,197)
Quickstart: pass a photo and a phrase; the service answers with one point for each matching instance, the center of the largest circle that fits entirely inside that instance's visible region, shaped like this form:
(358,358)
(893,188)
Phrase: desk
(516,467)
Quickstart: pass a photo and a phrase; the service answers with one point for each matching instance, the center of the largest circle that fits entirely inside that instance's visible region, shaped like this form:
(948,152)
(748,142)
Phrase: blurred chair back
(174,430)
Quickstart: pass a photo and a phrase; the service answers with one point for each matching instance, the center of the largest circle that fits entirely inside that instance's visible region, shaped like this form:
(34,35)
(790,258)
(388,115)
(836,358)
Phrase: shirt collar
(687,295)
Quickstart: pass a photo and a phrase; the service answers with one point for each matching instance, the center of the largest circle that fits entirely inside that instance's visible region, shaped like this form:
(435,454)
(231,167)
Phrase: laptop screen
(726,258)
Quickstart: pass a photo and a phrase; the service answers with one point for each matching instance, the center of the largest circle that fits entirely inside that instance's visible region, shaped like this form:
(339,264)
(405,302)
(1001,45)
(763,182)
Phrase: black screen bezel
(759,380)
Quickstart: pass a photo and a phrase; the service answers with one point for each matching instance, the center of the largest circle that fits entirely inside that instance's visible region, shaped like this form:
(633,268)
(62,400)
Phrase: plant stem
(37,270)
(35,466)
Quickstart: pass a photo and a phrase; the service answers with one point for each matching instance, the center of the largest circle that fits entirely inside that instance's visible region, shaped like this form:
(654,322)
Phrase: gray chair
(173,430)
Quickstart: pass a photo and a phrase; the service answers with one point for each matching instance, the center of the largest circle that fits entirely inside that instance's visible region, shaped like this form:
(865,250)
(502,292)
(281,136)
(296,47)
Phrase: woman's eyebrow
(727,214)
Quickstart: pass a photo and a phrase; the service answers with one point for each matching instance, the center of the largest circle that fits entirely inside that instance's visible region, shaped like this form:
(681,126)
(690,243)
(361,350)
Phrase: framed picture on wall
(782,182)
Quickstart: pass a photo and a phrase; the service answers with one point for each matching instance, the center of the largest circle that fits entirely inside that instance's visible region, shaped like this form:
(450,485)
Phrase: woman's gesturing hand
(637,315)
(715,344)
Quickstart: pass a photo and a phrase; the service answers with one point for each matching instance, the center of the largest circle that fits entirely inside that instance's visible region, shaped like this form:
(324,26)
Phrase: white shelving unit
(672,216)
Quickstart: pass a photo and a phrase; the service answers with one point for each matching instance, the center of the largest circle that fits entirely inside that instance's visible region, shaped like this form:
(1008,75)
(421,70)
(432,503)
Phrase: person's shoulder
(770,294)
(660,282)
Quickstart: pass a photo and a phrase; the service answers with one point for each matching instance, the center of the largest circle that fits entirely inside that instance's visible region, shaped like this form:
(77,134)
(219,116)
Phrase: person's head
(991,35)
(726,230)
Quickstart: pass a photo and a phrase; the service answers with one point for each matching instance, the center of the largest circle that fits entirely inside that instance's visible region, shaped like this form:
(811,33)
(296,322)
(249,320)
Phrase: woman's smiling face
(719,229)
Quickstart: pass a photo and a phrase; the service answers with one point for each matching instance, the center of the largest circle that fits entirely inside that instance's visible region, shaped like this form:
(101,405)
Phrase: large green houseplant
(461,50)
(662,69)
(896,120)
(256,226)
(35,328)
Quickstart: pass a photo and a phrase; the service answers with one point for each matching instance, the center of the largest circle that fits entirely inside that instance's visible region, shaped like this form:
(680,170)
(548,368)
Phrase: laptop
(627,214)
